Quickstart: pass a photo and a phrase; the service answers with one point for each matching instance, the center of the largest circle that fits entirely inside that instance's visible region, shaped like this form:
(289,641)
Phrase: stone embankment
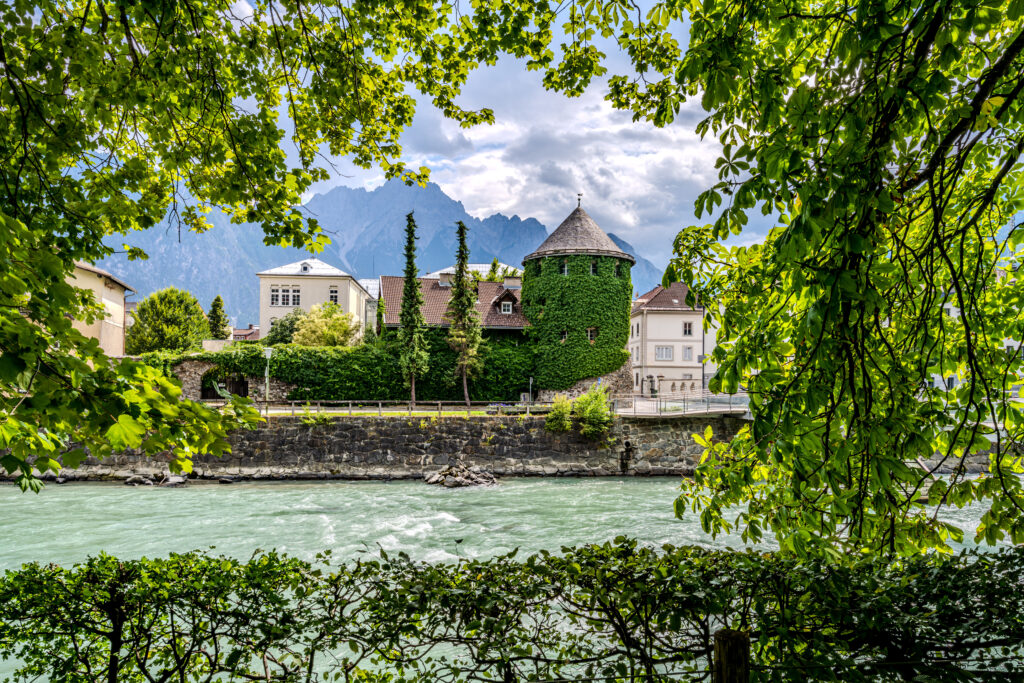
(373,447)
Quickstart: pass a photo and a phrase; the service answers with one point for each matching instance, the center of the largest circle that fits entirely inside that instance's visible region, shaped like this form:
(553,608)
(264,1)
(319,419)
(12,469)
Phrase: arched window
(673,387)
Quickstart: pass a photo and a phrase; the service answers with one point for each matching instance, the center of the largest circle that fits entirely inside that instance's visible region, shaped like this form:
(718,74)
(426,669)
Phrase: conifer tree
(413,358)
(218,320)
(464,334)
(381,314)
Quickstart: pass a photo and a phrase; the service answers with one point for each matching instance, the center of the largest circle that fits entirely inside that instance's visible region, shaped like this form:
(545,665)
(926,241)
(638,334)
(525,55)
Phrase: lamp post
(267,352)
(531,390)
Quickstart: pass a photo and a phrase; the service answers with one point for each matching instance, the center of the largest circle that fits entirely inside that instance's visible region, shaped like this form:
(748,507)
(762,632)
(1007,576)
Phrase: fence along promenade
(666,405)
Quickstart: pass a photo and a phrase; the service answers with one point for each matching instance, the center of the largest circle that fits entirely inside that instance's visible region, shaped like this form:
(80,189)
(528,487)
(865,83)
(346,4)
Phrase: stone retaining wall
(409,448)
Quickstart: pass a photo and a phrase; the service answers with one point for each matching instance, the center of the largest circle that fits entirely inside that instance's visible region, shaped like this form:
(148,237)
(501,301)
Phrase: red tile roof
(662,299)
(436,297)
(250,333)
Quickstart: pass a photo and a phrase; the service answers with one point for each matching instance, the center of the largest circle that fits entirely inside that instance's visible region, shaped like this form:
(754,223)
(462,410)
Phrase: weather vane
(579,199)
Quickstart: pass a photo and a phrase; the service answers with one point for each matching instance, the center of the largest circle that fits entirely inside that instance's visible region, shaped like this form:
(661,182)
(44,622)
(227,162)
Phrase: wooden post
(438,409)
(732,657)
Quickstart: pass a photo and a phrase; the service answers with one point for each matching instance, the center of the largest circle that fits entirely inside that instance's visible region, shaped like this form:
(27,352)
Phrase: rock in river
(457,476)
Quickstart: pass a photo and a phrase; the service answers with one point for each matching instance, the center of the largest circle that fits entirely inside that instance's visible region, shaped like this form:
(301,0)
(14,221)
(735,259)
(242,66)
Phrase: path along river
(66,524)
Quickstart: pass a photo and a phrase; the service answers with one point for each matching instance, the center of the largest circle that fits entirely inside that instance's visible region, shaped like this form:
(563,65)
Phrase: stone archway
(190,374)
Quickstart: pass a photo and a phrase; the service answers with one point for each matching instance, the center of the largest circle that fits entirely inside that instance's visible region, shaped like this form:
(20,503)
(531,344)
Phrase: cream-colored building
(667,343)
(304,284)
(109,292)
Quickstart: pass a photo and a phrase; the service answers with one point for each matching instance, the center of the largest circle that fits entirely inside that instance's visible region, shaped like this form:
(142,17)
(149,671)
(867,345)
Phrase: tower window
(593,267)
(564,267)
(618,269)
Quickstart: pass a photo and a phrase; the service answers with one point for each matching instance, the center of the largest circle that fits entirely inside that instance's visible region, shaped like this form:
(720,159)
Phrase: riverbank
(388,448)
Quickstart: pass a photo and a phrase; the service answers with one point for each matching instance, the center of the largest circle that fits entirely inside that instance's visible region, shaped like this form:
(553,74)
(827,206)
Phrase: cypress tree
(413,358)
(218,320)
(464,334)
(381,313)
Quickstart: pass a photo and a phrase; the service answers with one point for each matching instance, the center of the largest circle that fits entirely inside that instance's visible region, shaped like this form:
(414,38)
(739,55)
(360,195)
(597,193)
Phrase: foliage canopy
(326,325)
(168,320)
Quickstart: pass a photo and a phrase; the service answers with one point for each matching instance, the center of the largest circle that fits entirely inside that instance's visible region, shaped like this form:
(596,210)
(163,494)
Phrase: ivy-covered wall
(555,303)
(370,371)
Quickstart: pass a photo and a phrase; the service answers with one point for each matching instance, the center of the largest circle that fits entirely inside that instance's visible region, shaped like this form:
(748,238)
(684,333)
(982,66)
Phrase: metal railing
(667,405)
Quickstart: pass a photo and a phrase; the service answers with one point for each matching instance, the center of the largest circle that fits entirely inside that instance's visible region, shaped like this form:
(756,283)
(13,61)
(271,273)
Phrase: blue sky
(637,180)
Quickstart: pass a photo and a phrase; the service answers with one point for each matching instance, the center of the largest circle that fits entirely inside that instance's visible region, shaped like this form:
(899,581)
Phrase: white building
(667,343)
(304,284)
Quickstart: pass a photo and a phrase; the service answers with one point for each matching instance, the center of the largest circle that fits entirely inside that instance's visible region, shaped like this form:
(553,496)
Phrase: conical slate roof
(578,234)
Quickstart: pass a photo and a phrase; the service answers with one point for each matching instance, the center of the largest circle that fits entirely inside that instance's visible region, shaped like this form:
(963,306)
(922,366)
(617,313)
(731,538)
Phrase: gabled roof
(99,271)
(316,268)
(661,299)
(479,268)
(436,298)
(371,285)
(578,234)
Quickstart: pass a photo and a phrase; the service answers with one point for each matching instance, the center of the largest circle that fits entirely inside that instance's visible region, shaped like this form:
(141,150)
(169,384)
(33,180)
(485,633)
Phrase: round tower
(576,295)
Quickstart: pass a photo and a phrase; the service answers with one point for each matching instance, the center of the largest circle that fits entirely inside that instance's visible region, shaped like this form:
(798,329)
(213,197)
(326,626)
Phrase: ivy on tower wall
(555,303)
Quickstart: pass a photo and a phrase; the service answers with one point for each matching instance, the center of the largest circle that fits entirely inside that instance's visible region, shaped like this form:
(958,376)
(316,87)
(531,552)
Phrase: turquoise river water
(66,524)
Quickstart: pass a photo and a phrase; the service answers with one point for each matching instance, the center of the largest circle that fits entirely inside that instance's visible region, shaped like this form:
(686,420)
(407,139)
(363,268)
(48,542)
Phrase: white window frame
(591,334)
(663,353)
(593,267)
(506,308)
(687,329)
(296,296)
(564,268)
(275,296)
(332,294)
(687,353)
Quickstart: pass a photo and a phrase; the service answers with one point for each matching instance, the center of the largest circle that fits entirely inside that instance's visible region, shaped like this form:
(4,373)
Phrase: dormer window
(305,268)
(506,308)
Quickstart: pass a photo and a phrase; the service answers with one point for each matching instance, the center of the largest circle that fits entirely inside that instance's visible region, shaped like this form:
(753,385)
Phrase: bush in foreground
(612,612)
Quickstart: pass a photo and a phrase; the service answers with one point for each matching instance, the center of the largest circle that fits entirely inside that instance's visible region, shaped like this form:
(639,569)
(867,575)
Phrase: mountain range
(367,231)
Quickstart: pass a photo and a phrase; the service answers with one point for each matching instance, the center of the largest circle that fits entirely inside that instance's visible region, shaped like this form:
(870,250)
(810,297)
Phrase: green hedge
(616,612)
(370,371)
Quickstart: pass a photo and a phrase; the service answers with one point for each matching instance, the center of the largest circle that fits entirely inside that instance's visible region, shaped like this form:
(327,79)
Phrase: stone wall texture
(190,374)
(371,447)
(618,383)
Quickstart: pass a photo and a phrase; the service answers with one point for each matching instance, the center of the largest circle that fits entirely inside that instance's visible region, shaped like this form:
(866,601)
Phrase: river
(66,524)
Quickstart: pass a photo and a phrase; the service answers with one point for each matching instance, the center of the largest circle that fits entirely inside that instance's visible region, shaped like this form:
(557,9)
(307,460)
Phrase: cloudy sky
(637,180)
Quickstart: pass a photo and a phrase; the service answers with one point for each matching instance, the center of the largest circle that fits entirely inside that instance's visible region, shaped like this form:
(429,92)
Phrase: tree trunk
(465,387)
(412,388)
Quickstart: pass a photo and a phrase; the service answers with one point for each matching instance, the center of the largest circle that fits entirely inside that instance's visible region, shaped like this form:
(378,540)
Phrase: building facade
(109,292)
(668,344)
(576,297)
(304,284)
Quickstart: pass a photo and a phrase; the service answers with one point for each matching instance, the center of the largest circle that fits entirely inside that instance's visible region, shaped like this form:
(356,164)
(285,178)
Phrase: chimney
(513,282)
(445,279)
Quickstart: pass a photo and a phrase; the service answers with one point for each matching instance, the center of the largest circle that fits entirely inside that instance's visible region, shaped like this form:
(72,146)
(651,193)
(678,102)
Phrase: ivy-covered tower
(576,295)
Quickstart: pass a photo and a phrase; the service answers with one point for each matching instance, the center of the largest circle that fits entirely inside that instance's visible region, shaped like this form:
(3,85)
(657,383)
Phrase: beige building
(109,292)
(304,284)
(667,343)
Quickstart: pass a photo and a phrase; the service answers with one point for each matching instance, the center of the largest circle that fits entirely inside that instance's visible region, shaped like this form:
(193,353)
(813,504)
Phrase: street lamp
(267,352)
(531,390)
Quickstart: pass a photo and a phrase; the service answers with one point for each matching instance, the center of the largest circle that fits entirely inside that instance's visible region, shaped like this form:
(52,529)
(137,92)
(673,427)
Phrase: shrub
(612,612)
(326,325)
(593,413)
(560,417)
